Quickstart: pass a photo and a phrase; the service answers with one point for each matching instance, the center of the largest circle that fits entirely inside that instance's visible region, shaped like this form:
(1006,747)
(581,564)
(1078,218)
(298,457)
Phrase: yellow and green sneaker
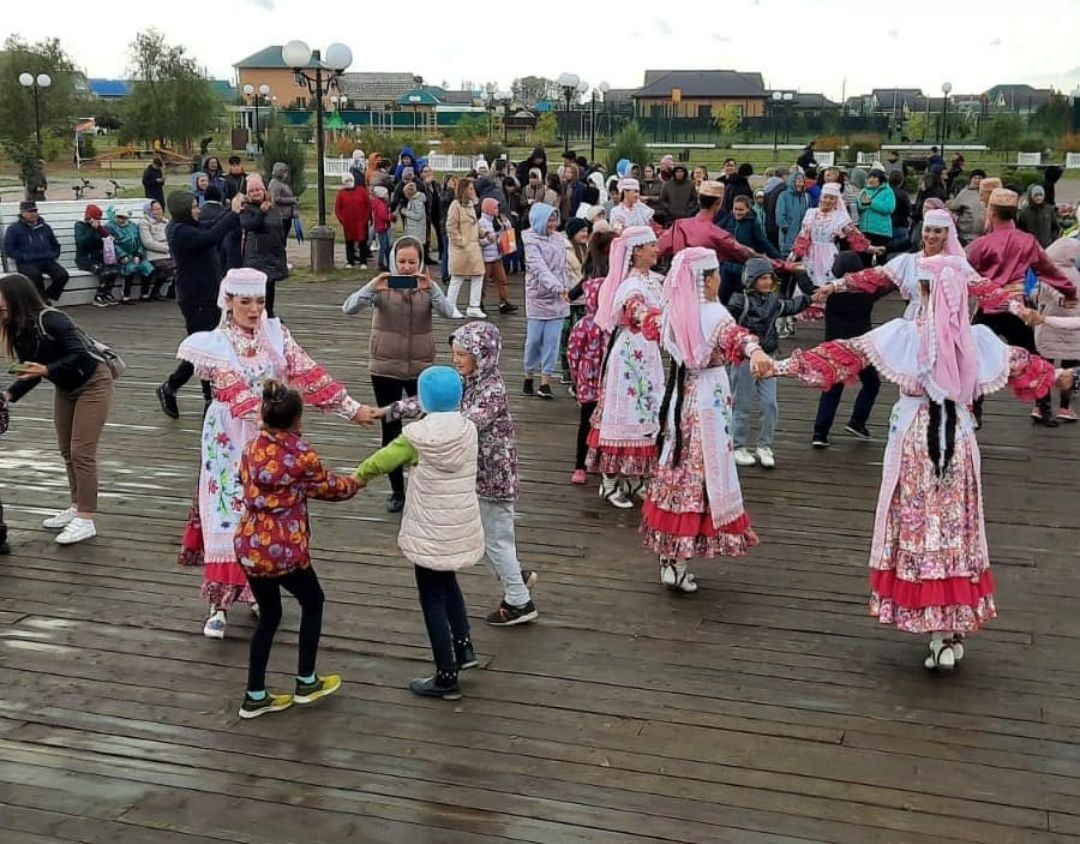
(271,703)
(311,692)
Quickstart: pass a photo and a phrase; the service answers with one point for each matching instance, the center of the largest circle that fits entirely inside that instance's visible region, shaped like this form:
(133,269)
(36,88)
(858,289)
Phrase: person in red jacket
(382,219)
(352,207)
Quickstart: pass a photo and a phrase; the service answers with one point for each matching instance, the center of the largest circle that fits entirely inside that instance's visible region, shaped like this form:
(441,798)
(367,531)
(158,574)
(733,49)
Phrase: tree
(282,146)
(728,121)
(1004,132)
(916,126)
(169,98)
(59,104)
(628,144)
(547,126)
(532,89)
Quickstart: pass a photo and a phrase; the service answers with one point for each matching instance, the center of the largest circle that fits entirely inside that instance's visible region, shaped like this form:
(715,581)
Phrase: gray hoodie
(280,192)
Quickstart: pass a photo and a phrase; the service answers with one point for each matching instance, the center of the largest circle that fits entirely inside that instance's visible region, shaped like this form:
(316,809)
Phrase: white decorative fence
(439,162)
(1028,159)
(1072,160)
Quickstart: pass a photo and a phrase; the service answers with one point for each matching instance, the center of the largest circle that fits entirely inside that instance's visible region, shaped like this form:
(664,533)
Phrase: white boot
(611,491)
(958,646)
(941,654)
(675,576)
(215,625)
(637,488)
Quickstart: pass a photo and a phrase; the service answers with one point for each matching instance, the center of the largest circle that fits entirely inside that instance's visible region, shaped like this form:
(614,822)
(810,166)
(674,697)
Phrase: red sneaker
(1066,414)
(580,479)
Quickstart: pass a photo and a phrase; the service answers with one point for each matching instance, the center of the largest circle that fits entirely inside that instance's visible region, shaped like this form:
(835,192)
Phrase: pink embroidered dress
(694,506)
(929,562)
(236,364)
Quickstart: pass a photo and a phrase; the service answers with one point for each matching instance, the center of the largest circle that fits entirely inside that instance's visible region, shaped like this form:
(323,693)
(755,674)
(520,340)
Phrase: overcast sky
(917,43)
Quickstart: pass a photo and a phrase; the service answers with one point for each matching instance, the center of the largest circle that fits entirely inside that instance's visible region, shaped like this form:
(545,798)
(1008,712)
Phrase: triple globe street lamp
(263,92)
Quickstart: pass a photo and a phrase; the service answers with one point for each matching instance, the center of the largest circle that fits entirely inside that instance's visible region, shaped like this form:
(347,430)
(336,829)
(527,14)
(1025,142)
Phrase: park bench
(62,215)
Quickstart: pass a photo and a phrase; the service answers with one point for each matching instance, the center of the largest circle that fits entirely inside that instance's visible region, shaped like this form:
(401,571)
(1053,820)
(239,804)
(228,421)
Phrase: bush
(1032,142)
(828,143)
(1023,178)
(86,145)
(1069,143)
(282,146)
(863,143)
(629,144)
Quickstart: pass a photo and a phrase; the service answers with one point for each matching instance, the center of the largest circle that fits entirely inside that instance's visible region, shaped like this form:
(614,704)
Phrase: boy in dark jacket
(847,315)
(758,309)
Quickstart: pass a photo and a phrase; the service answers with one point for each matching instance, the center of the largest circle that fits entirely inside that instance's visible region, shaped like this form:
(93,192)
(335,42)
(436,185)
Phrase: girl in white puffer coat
(441,530)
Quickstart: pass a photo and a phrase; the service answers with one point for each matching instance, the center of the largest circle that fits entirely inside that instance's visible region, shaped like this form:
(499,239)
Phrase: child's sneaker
(860,432)
(579,477)
(271,703)
(465,656)
(1066,414)
(744,457)
(544,392)
(428,687)
(820,441)
(527,387)
(508,616)
(311,692)
(215,625)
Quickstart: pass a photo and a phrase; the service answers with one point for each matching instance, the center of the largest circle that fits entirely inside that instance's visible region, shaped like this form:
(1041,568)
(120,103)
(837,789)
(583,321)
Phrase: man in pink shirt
(1003,256)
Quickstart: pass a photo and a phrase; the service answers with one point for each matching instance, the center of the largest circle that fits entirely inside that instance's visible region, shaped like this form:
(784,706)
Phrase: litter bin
(322,249)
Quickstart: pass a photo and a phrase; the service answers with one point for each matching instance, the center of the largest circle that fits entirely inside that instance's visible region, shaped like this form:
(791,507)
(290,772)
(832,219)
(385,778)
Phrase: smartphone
(16,368)
(401,282)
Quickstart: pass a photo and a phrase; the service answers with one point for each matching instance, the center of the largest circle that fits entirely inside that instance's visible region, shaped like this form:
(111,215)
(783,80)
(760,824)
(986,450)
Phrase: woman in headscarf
(630,211)
(929,564)
(622,442)
(1039,217)
(938,238)
(236,358)
(822,229)
(694,506)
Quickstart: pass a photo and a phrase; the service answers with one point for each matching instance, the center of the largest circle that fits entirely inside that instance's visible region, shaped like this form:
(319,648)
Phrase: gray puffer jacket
(758,313)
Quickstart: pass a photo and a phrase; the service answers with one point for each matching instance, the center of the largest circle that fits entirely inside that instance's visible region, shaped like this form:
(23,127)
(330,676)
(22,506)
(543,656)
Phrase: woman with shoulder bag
(48,344)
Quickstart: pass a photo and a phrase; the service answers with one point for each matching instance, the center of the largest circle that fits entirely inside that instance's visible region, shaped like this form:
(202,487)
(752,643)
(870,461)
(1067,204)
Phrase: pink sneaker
(579,477)
(1066,414)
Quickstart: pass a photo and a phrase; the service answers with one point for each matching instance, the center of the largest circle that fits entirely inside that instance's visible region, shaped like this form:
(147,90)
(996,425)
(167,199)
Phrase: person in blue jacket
(405,159)
(791,207)
(32,245)
(743,225)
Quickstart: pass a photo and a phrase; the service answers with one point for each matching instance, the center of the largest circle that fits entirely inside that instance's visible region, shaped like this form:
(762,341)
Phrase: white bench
(868,157)
(1072,160)
(61,216)
(1028,159)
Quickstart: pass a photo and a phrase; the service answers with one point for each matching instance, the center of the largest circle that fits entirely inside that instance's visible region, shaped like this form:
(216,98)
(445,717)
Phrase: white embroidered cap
(241,282)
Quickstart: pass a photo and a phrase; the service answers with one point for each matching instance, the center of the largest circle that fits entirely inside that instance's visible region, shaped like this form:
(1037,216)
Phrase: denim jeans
(743,387)
(864,402)
(444,256)
(384,251)
(542,345)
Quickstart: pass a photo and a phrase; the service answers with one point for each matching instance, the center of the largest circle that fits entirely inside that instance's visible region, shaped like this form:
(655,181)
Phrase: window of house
(704,112)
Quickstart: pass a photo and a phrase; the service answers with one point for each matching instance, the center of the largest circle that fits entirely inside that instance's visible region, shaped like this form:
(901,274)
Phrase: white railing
(1028,159)
(1072,160)
(825,159)
(336,166)
(444,163)
(868,157)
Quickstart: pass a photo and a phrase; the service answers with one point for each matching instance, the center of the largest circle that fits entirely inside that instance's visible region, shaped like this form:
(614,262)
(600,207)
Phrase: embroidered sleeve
(638,316)
(991,295)
(230,386)
(856,240)
(737,343)
(318,482)
(1030,377)
(314,382)
(831,363)
(865,281)
(802,241)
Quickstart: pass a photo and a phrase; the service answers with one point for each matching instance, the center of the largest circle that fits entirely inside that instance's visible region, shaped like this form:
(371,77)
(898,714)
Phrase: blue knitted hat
(440,389)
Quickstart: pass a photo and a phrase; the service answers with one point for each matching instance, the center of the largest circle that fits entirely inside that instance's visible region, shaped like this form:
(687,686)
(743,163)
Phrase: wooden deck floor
(766,709)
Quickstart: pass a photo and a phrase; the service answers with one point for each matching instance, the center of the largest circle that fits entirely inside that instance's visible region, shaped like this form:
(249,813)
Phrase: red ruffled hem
(655,518)
(918,595)
(646,449)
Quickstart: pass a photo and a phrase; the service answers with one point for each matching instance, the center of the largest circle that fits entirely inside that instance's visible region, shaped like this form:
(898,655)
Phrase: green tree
(170,98)
(59,104)
(1004,132)
(281,145)
(728,121)
(547,126)
(916,126)
(531,89)
(629,143)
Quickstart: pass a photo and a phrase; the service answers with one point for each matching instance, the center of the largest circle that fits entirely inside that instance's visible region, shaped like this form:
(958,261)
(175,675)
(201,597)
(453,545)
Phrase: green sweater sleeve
(398,453)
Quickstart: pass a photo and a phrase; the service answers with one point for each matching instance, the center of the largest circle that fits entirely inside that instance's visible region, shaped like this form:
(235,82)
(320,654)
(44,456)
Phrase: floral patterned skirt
(635,459)
(931,570)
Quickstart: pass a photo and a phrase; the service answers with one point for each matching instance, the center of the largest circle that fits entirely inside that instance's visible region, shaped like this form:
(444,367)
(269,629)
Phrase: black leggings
(583,427)
(304,586)
(357,251)
(198,316)
(387,391)
(444,616)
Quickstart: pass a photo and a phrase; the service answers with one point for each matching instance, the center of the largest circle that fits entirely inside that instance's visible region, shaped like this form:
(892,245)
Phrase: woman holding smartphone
(402,336)
(46,343)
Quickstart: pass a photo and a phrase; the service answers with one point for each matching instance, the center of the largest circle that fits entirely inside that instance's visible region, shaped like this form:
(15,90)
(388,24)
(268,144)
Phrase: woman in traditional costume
(622,442)
(694,506)
(929,564)
(236,358)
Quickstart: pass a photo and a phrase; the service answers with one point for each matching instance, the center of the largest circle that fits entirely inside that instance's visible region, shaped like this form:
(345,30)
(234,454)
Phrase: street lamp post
(303,60)
(779,99)
(945,89)
(42,80)
(257,96)
(604,88)
(569,84)
(504,99)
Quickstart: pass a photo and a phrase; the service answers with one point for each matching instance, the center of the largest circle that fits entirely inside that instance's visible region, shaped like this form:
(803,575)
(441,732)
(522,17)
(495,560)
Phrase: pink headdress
(622,250)
(489,205)
(833,189)
(947,355)
(941,218)
(684,336)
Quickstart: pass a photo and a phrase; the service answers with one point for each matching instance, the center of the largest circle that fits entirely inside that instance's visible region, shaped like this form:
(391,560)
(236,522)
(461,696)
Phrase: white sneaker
(215,626)
(677,578)
(77,530)
(458,314)
(254,607)
(765,457)
(59,520)
(476,313)
(744,457)
(612,492)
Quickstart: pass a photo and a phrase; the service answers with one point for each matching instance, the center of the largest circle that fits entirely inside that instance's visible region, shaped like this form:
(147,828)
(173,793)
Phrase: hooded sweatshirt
(758,312)
(196,250)
(399,168)
(1039,220)
(547,275)
(791,207)
(280,192)
(525,166)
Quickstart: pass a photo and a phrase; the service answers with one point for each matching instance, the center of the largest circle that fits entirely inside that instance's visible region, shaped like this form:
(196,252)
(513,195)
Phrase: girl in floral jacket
(476,348)
(279,472)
